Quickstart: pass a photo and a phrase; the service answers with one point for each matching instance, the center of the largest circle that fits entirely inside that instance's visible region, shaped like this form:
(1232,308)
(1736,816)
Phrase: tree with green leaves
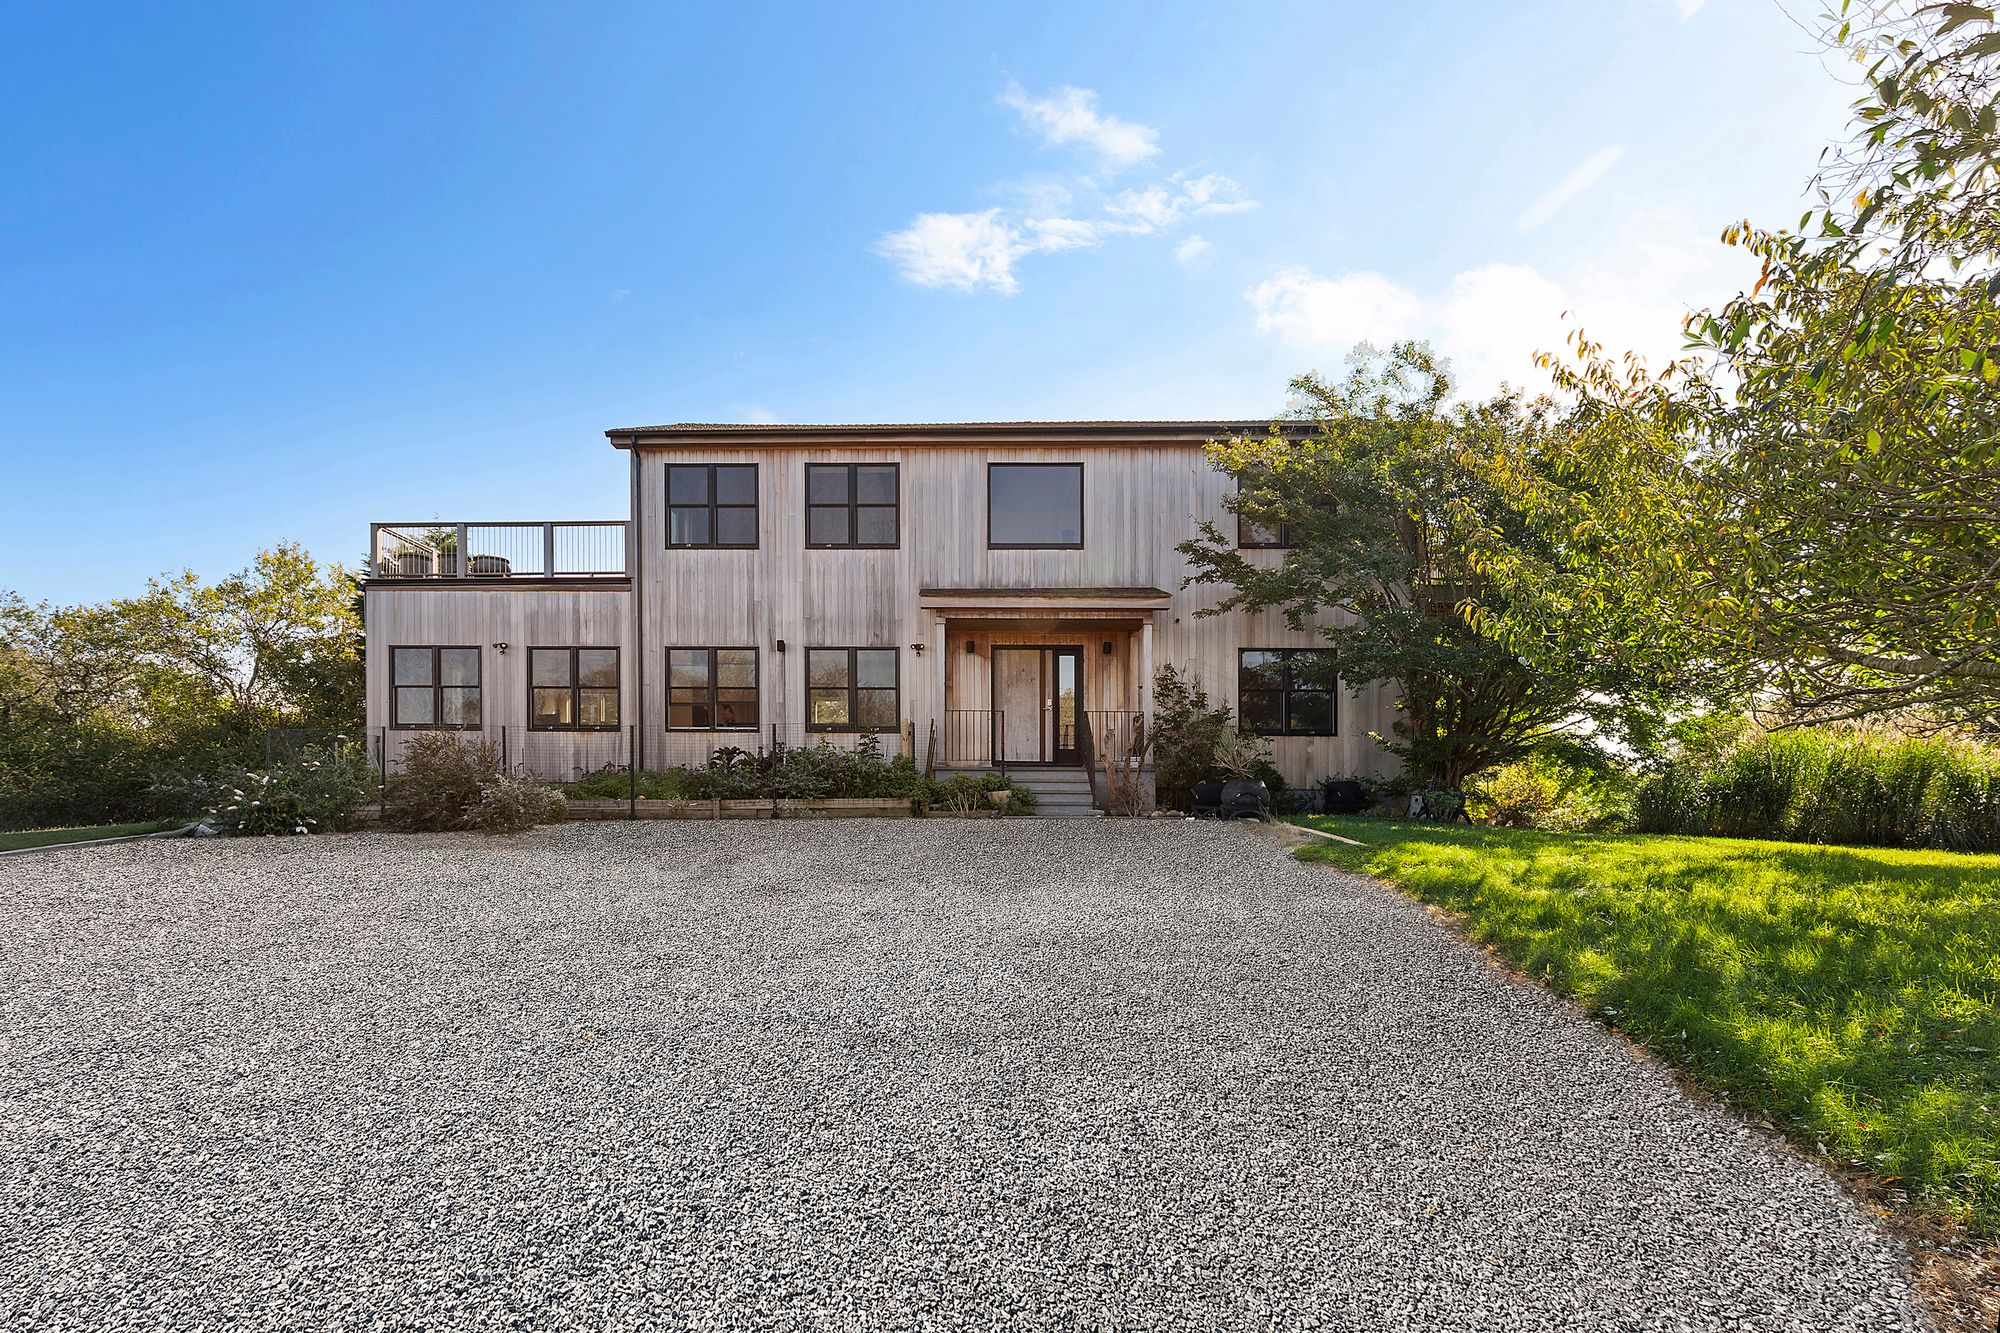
(1808,504)
(1380,483)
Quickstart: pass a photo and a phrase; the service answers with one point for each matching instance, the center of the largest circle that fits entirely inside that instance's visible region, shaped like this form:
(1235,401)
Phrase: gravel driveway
(864,1075)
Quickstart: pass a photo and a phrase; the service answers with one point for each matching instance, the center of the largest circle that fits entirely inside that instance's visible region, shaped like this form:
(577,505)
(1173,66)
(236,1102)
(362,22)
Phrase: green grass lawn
(10,842)
(1848,994)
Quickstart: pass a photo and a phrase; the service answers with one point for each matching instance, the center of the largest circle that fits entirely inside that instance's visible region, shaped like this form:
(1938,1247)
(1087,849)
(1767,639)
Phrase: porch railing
(584,549)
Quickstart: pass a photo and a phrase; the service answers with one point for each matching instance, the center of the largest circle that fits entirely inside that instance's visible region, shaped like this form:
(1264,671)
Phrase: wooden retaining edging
(846,807)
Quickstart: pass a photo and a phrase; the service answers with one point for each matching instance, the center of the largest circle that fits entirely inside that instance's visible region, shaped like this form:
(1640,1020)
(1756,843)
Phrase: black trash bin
(1342,796)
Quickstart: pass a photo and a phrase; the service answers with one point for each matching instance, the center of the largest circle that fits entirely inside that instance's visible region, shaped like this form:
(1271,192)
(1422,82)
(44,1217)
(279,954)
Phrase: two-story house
(980,594)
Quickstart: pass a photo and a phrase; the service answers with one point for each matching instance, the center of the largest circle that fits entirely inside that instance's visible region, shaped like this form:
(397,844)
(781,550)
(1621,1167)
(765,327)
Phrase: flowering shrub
(323,790)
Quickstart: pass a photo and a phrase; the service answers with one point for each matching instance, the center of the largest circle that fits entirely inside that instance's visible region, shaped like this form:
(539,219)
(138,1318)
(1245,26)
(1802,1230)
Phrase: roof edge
(754,435)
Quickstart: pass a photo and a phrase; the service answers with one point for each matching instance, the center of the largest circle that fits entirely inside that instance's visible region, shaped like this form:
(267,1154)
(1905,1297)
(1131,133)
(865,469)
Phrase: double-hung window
(1286,692)
(434,688)
(572,689)
(711,689)
(712,504)
(852,505)
(852,689)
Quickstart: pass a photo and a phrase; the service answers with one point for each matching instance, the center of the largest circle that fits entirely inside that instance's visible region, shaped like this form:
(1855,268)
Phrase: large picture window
(711,689)
(852,504)
(1034,505)
(572,689)
(436,688)
(852,689)
(1286,692)
(712,504)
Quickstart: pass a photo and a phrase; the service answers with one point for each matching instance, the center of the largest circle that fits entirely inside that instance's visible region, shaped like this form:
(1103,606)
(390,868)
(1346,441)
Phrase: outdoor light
(917,648)
(971,648)
(1107,647)
(781,645)
(499,647)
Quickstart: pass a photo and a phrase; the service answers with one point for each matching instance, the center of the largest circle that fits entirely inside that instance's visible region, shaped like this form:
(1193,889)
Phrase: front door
(1037,704)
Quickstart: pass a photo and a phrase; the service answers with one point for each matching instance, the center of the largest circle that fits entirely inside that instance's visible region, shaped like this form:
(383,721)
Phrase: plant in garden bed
(323,790)
(449,784)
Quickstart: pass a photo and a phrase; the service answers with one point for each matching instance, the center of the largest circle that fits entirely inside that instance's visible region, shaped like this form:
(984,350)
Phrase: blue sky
(267,274)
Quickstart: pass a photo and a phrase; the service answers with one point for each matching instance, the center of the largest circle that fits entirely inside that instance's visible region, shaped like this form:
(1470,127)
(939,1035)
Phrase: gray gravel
(857,1074)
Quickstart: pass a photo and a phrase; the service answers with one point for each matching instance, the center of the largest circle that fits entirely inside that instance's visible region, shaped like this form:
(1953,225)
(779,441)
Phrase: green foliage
(449,784)
(322,790)
(1836,785)
(1849,995)
(1548,792)
(1188,735)
(188,677)
(1385,486)
(1803,506)
(818,772)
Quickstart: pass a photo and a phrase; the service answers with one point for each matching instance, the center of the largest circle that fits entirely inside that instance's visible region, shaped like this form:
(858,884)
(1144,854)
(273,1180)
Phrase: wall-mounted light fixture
(917,648)
(971,648)
(1107,648)
(499,647)
(781,645)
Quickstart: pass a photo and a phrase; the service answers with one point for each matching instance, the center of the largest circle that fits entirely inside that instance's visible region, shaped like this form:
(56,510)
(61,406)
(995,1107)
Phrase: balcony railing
(592,549)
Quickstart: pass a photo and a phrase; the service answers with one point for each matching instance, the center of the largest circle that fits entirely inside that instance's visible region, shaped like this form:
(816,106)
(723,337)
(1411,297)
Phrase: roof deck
(587,550)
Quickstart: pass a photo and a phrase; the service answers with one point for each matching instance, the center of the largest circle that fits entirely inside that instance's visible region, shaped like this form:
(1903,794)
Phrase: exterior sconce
(971,648)
(917,648)
(1107,648)
(781,645)
(499,647)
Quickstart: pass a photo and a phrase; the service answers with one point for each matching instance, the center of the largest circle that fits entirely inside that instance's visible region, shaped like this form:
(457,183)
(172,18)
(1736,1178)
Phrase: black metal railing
(583,549)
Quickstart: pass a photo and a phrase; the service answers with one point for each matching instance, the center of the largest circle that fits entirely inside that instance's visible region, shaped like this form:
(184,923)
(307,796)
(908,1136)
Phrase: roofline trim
(951,432)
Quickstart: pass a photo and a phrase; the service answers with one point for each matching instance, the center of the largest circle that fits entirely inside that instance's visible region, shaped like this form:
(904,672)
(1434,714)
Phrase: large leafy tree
(1380,482)
(1809,503)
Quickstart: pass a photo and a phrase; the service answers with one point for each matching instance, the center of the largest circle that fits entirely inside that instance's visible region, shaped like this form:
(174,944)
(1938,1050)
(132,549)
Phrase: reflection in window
(712,689)
(851,504)
(572,689)
(435,688)
(712,504)
(1285,692)
(852,689)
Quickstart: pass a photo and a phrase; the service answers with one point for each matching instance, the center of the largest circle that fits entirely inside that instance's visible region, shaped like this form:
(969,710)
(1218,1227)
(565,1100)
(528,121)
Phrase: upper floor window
(1034,505)
(1249,536)
(712,689)
(712,504)
(1286,692)
(434,688)
(852,689)
(852,504)
(572,689)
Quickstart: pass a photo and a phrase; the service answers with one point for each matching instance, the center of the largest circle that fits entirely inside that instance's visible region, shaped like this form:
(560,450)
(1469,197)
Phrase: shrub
(449,784)
(1847,785)
(322,790)
(1546,792)
(1188,735)
(964,792)
(817,772)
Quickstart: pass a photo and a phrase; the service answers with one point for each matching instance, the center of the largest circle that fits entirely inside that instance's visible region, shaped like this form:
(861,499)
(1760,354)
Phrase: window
(852,689)
(851,504)
(711,689)
(712,504)
(1251,537)
(435,688)
(1032,505)
(1286,692)
(572,689)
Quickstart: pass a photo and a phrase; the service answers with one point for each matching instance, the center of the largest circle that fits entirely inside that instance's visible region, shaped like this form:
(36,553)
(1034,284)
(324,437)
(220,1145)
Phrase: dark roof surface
(742,434)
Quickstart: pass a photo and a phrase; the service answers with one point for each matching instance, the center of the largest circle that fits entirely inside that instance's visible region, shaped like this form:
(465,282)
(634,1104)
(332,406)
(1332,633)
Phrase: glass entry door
(1037,704)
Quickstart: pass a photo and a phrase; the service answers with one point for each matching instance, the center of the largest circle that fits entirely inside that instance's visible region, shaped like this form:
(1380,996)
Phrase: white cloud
(1587,173)
(978,251)
(758,415)
(962,250)
(621,294)
(1305,309)
(1492,319)
(1192,249)
(1070,115)
(1688,8)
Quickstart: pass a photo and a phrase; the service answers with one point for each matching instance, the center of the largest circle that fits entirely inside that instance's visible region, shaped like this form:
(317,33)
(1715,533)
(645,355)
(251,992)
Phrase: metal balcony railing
(590,549)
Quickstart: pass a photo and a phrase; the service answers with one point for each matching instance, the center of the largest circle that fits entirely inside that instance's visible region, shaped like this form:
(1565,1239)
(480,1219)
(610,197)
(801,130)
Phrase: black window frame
(1081,531)
(576,687)
(854,691)
(713,704)
(853,506)
(714,508)
(1287,688)
(1282,540)
(437,687)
